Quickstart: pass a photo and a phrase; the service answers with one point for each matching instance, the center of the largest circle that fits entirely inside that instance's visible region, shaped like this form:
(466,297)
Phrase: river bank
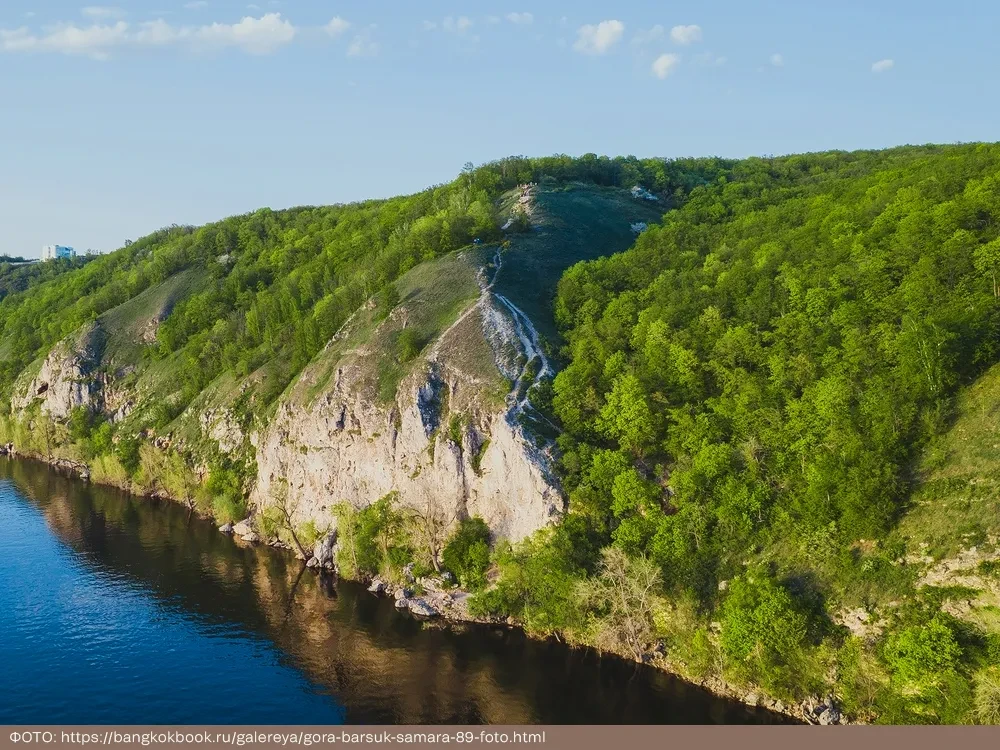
(434,598)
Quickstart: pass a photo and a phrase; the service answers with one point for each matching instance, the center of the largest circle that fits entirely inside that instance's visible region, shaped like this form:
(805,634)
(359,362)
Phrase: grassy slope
(956,504)
(572,223)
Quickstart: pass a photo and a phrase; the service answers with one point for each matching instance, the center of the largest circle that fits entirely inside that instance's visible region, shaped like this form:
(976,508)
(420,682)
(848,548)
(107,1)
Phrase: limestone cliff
(446,443)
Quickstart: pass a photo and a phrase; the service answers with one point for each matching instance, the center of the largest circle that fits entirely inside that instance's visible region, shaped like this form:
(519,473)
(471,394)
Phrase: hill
(741,429)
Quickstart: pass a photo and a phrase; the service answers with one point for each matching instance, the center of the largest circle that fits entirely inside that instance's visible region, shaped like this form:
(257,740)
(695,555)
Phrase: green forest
(774,411)
(747,395)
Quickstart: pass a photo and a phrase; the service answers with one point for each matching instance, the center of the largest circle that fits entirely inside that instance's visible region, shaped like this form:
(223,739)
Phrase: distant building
(51,252)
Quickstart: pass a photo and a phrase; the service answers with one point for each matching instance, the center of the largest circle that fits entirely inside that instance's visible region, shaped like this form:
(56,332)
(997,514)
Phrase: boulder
(251,537)
(377,587)
(243,528)
(226,528)
(829,715)
(402,603)
(420,607)
(312,563)
(324,549)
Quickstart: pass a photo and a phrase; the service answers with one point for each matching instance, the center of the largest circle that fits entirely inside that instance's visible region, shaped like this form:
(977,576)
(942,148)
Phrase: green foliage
(467,553)
(228,508)
(127,453)
(101,440)
(764,632)
(783,345)
(537,584)
(920,654)
(80,422)
(477,457)
(408,344)
(373,540)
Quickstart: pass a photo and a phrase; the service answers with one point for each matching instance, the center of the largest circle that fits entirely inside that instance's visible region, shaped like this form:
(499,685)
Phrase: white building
(51,252)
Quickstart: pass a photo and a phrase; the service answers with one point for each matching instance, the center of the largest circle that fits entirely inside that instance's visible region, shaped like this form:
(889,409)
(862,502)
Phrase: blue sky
(117,119)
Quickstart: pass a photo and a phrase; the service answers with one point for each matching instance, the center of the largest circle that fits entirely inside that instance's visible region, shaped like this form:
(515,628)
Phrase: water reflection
(352,655)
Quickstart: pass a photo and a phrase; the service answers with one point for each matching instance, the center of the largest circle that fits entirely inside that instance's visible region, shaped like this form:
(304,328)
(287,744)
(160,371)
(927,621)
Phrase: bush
(467,553)
(371,539)
(101,441)
(764,632)
(408,344)
(127,452)
(537,585)
(229,508)
(920,654)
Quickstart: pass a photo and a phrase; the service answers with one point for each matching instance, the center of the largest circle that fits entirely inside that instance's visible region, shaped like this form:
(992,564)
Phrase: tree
(467,553)
(986,258)
(621,599)
(627,417)
(763,629)
(431,524)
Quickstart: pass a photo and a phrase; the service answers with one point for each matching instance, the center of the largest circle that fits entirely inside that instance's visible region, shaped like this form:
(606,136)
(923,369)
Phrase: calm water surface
(116,609)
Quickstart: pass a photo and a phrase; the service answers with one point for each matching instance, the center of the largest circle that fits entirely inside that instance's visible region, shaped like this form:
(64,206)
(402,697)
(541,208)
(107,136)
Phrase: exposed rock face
(346,448)
(65,381)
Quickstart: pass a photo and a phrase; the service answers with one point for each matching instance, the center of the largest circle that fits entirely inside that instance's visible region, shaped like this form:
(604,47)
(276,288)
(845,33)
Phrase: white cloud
(457,25)
(158,33)
(521,18)
(258,36)
(882,65)
(597,39)
(196,5)
(337,26)
(102,11)
(777,60)
(648,37)
(686,34)
(664,65)
(253,35)
(363,45)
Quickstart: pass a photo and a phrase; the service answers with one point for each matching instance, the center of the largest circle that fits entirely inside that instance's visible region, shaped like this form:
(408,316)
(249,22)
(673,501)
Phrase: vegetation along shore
(733,418)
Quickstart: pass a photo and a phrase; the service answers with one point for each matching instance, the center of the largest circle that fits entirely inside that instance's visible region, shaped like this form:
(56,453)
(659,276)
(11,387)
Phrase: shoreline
(808,711)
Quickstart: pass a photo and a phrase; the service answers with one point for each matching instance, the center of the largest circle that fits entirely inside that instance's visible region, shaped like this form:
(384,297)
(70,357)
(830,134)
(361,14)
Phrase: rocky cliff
(453,442)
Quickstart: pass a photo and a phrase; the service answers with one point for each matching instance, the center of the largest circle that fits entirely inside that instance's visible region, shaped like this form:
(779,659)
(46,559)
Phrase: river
(117,609)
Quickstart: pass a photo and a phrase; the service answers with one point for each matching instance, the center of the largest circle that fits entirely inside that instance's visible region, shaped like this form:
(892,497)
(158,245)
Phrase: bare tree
(285,508)
(431,523)
(621,597)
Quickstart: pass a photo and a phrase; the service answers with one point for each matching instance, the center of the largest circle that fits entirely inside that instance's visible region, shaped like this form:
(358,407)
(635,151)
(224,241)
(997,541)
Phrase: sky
(119,119)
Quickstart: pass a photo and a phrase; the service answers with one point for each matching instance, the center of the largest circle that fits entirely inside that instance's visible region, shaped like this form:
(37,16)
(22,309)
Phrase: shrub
(229,508)
(408,344)
(537,584)
(764,632)
(127,452)
(467,553)
(101,442)
(918,655)
(371,539)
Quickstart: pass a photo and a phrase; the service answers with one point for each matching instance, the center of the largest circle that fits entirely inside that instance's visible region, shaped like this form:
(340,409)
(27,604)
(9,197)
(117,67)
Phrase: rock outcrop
(66,379)
(347,448)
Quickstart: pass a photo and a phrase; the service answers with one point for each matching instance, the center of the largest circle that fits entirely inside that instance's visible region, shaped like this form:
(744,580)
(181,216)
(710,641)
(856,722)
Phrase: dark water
(116,609)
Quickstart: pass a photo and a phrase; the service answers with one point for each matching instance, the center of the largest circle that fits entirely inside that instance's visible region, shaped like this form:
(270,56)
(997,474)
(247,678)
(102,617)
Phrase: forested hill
(772,417)
(276,283)
(750,391)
